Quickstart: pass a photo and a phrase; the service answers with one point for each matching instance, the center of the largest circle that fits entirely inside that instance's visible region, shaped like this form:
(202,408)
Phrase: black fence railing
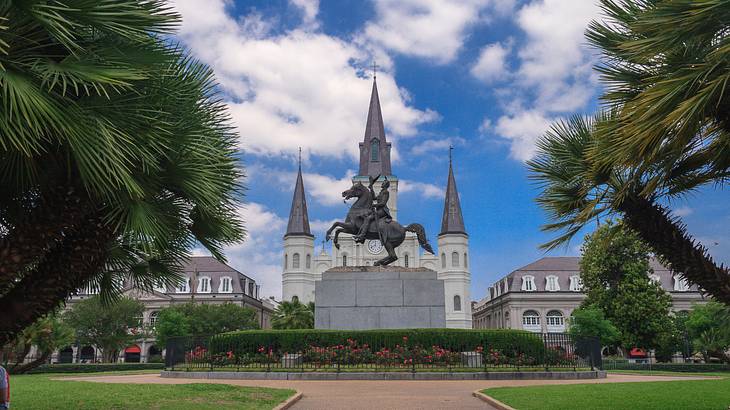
(528,352)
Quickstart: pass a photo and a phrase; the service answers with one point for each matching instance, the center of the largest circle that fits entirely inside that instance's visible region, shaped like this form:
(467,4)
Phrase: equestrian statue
(369,218)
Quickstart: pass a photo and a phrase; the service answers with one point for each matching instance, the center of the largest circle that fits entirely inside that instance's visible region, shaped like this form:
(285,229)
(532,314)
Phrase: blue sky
(488,76)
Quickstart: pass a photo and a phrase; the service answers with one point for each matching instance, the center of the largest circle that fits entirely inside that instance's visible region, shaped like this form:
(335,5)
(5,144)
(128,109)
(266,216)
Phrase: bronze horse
(391,234)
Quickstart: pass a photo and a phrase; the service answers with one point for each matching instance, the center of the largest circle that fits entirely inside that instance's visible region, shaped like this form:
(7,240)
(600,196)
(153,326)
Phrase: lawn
(40,392)
(692,394)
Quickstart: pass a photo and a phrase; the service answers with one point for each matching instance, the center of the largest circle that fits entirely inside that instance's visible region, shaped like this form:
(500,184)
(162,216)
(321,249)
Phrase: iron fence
(528,352)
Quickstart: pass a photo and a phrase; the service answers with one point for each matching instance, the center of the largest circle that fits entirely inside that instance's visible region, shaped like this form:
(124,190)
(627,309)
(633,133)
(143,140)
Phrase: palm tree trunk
(46,224)
(669,238)
(62,271)
(26,367)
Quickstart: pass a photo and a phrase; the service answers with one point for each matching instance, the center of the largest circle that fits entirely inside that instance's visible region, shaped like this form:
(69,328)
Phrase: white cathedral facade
(303,265)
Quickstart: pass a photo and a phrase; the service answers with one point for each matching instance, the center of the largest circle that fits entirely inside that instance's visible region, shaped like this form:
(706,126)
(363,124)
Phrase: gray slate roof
(452,220)
(375,130)
(298,215)
(566,266)
(215,270)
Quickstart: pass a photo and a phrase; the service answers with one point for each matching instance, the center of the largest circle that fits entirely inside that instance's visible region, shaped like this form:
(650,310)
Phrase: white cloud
(683,211)
(555,58)
(310,9)
(522,130)
(553,73)
(432,29)
(259,256)
(491,64)
(427,191)
(299,88)
(439,145)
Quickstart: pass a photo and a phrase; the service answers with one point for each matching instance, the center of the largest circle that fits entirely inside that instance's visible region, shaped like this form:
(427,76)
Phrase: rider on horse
(378,210)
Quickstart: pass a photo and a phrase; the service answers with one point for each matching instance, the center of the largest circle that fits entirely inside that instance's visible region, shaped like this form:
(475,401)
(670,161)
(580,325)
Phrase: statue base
(379,297)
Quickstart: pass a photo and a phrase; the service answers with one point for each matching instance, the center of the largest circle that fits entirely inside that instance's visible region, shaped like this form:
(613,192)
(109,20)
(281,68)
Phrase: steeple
(452,220)
(375,149)
(298,215)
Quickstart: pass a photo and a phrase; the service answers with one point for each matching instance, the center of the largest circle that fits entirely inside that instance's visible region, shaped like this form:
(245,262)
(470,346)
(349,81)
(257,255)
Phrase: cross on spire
(300,157)
(451,149)
(375,68)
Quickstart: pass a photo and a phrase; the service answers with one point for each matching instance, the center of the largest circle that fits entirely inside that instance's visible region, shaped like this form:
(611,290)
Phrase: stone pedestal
(368,297)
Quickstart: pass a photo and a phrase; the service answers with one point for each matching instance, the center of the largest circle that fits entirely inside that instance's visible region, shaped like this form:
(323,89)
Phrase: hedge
(452,339)
(94,367)
(670,367)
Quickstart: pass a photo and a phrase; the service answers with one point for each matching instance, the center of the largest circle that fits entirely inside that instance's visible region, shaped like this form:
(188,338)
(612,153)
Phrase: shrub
(509,343)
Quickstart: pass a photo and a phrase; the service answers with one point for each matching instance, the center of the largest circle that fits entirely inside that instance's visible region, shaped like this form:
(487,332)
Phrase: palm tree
(575,194)
(116,153)
(666,69)
(293,315)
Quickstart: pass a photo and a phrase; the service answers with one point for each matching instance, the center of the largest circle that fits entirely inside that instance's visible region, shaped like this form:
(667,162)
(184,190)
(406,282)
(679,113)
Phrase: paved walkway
(376,394)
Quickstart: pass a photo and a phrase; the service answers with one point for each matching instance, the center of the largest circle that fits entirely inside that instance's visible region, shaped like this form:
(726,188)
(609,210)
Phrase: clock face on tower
(374,246)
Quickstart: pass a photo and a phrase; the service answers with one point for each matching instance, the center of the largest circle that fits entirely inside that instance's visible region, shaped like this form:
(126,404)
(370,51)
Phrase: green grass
(40,392)
(688,394)
(667,373)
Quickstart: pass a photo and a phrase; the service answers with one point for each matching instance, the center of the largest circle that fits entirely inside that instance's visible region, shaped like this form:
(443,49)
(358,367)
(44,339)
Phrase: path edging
(586,375)
(290,401)
(491,401)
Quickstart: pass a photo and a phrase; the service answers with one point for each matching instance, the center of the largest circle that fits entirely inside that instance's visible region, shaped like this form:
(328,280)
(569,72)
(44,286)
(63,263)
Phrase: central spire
(375,149)
(452,220)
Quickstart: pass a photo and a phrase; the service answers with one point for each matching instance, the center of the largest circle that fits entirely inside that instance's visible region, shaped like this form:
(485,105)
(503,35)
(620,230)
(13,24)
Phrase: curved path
(377,394)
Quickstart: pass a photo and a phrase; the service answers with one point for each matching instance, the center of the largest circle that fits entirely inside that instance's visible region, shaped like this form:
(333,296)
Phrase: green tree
(47,334)
(615,274)
(110,327)
(203,319)
(662,131)
(293,315)
(708,325)
(591,322)
(116,153)
(574,195)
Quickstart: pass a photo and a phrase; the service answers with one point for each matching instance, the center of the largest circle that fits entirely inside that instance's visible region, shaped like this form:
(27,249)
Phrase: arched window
(443,260)
(295,261)
(374,150)
(455,259)
(531,321)
(286,261)
(225,285)
(405,260)
(466,261)
(309,261)
(153,318)
(295,298)
(457,303)
(506,320)
(555,321)
(204,285)
(344,260)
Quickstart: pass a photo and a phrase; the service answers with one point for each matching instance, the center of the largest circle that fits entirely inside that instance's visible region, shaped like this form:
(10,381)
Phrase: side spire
(375,149)
(298,215)
(452,220)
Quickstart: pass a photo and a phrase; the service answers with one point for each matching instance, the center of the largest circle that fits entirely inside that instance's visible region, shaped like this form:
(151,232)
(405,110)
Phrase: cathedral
(303,265)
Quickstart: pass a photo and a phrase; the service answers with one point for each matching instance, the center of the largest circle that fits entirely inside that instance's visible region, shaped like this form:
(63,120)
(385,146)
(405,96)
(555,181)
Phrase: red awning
(636,352)
(133,349)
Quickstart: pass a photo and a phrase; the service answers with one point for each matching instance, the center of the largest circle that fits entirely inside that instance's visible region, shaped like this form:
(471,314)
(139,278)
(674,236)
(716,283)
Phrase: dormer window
(655,278)
(374,150)
(204,285)
(680,284)
(160,287)
(528,283)
(225,285)
(576,285)
(551,283)
(184,287)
